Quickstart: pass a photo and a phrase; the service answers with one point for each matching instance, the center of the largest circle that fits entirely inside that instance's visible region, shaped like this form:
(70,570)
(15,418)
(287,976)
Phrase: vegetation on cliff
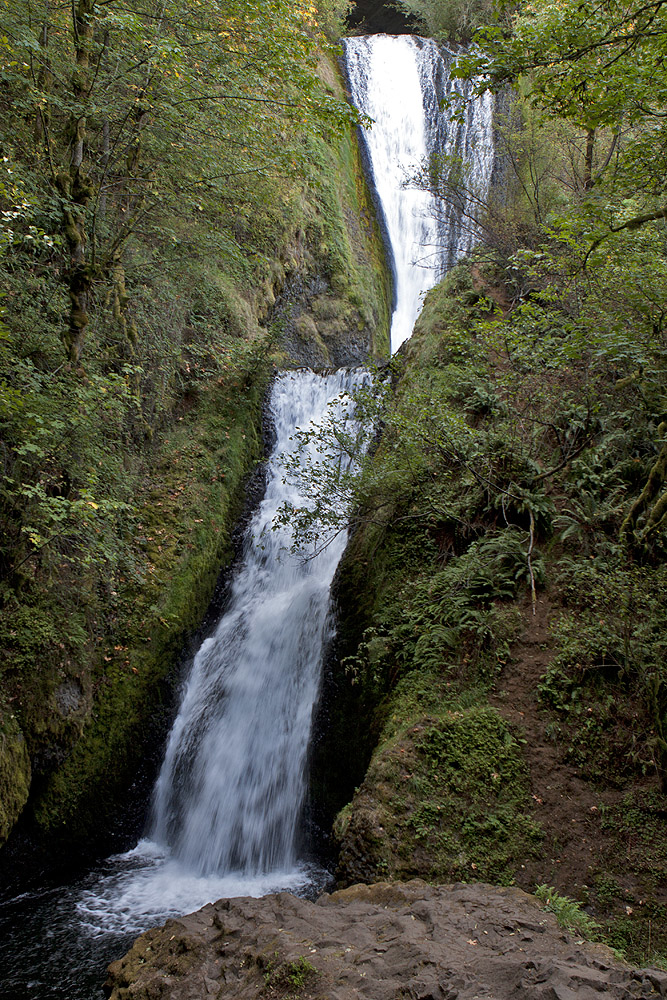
(508,566)
(176,188)
(512,634)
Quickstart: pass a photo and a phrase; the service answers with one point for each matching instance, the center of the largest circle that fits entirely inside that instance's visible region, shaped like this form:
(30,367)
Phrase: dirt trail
(568,808)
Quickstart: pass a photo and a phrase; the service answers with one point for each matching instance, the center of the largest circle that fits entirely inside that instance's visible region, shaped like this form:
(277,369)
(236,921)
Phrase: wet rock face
(68,697)
(322,329)
(371,16)
(380,942)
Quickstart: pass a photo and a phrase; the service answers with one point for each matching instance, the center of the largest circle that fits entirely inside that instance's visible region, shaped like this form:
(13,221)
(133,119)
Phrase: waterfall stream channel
(226,816)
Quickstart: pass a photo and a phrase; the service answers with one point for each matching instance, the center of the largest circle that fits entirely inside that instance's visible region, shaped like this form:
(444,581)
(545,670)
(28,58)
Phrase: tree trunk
(44,82)
(102,210)
(588,159)
(652,488)
(76,188)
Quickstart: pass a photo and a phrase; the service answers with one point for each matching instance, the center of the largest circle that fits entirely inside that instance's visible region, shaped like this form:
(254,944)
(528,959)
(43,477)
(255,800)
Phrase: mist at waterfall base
(227,806)
(403,83)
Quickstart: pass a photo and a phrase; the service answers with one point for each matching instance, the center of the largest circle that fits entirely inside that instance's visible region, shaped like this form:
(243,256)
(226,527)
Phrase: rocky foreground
(383,942)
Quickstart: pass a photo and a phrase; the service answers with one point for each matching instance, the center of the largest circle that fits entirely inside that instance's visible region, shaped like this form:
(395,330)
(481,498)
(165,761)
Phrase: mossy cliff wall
(334,307)
(393,680)
(86,724)
(88,656)
(494,708)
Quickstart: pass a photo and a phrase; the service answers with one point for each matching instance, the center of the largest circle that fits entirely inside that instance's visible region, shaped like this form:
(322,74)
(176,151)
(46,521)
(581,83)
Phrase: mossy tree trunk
(652,494)
(588,159)
(44,82)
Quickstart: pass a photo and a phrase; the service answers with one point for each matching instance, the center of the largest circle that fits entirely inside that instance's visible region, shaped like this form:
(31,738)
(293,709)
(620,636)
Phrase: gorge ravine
(201,847)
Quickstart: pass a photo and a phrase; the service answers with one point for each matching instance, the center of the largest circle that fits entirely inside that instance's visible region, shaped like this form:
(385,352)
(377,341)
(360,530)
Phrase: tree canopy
(119,118)
(601,68)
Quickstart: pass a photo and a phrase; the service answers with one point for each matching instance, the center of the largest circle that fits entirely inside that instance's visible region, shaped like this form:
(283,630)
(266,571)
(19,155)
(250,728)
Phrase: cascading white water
(231,786)
(230,790)
(227,803)
(402,82)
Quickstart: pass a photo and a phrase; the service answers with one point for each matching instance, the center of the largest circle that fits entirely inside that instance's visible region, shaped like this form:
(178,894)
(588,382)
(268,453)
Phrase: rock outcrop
(378,942)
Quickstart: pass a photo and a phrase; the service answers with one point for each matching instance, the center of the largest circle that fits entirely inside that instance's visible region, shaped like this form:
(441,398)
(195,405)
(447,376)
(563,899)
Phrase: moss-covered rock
(334,304)
(497,707)
(89,736)
(445,796)
(14,773)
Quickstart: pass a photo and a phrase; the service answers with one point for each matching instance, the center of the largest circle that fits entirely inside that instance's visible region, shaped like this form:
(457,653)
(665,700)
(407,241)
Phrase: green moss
(446,793)
(348,244)
(189,511)
(14,772)
(475,810)
(288,978)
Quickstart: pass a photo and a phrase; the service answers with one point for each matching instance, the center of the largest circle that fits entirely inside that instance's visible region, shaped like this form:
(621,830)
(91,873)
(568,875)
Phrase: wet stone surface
(381,942)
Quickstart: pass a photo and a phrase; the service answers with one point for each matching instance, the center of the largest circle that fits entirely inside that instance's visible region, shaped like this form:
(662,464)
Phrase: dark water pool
(56,942)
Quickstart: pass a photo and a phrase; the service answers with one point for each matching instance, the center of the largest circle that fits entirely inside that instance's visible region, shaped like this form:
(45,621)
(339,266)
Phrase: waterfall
(227,804)
(229,794)
(231,786)
(402,82)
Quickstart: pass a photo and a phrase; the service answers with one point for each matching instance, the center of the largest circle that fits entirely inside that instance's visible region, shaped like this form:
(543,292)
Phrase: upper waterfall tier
(403,83)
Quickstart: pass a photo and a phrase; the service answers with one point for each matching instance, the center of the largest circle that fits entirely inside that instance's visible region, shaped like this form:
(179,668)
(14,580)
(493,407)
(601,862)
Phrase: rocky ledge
(381,942)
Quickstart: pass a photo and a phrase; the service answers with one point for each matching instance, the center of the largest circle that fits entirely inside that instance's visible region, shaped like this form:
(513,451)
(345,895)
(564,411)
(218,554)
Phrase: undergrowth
(512,455)
(568,913)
